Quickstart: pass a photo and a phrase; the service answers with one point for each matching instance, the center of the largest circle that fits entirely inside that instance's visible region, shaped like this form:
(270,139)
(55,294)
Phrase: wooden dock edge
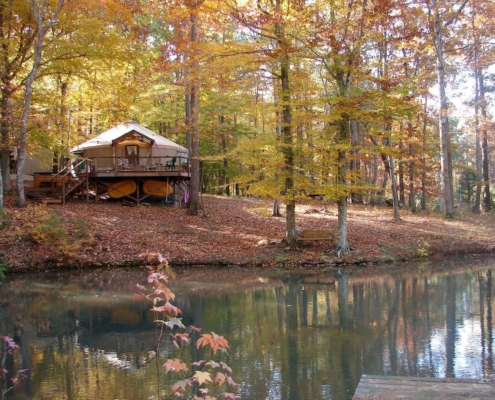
(373,387)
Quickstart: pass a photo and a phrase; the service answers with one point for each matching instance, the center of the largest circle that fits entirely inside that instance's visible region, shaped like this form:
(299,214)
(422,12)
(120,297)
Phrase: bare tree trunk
(445,144)
(288,149)
(342,233)
(1,191)
(402,196)
(423,173)
(412,200)
(276,209)
(5,137)
(194,128)
(443,113)
(479,174)
(39,13)
(355,163)
(487,204)
(395,195)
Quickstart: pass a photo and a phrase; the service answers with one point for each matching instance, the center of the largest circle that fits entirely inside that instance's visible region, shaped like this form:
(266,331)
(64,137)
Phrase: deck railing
(141,164)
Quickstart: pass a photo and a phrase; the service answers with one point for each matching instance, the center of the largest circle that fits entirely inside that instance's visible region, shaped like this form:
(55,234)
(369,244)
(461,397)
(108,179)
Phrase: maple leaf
(213,364)
(201,377)
(175,365)
(199,364)
(216,342)
(162,289)
(168,308)
(220,379)
(182,337)
(231,382)
(226,367)
(173,322)
(181,385)
(230,396)
(10,342)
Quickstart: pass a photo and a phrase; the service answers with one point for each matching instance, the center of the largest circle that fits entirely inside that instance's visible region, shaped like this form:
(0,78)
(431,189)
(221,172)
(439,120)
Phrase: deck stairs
(55,195)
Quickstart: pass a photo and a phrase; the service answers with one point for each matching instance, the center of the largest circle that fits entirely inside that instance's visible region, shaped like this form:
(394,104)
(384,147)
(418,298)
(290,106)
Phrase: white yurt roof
(108,137)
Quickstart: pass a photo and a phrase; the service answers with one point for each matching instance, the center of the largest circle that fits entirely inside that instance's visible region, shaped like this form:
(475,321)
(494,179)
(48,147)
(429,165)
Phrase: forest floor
(229,231)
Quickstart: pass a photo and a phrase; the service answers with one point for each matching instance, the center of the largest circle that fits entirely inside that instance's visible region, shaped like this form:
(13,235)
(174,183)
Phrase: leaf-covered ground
(235,231)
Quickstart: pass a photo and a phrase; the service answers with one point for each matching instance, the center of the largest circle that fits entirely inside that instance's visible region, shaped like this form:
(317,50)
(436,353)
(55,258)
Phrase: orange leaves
(175,365)
(167,308)
(216,342)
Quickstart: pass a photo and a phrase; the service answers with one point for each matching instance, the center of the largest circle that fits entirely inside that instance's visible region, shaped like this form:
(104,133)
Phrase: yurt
(129,141)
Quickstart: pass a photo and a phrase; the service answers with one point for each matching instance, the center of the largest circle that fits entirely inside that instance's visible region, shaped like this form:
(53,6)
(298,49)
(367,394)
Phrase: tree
(17,35)
(270,21)
(480,58)
(339,50)
(45,18)
(440,18)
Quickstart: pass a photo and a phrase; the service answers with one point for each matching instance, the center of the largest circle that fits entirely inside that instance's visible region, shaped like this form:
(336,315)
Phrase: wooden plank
(408,388)
(315,234)
(51,201)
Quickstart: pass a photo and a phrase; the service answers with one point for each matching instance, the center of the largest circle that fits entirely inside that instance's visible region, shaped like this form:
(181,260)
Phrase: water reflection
(83,336)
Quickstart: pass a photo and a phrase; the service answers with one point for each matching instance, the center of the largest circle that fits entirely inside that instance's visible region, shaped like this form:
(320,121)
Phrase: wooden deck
(409,388)
(93,179)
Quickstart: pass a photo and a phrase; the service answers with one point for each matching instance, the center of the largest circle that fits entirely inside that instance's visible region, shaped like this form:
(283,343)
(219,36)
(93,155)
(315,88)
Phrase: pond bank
(230,231)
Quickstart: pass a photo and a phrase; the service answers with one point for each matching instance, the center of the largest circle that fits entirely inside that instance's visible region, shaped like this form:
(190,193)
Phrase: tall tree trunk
(39,14)
(479,174)
(194,127)
(423,173)
(355,163)
(6,144)
(393,182)
(276,209)
(443,114)
(342,233)
(412,200)
(288,149)
(402,196)
(1,191)
(395,195)
(487,204)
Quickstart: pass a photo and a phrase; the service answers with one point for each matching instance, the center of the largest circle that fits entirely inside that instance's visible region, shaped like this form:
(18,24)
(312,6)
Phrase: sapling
(7,346)
(204,379)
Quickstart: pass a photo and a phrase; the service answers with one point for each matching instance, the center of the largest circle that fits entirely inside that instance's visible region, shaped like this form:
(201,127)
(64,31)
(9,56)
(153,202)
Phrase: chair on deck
(171,164)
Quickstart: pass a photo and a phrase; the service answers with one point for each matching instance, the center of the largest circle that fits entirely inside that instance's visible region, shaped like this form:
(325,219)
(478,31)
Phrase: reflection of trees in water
(296,339)
(383,326)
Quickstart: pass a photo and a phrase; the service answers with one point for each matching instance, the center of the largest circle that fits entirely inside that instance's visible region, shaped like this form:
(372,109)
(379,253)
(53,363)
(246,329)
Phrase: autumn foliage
(204,379)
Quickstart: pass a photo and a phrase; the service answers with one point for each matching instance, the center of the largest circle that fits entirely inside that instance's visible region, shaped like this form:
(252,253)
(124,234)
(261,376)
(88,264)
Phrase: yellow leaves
(220,379)
(202,377)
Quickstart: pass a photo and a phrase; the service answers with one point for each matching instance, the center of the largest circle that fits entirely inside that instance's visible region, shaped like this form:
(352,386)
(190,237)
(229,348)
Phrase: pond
(82,335)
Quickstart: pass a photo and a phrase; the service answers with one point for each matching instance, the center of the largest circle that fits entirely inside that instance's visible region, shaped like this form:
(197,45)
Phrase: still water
(292,336)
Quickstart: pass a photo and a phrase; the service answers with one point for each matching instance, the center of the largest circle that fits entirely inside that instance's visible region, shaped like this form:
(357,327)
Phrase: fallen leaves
(231,232)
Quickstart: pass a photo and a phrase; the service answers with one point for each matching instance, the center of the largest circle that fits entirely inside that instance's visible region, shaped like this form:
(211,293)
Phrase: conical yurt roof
(108,138)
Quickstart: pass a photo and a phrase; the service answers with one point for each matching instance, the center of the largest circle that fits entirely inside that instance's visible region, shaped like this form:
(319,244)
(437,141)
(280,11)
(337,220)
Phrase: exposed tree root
(338,250)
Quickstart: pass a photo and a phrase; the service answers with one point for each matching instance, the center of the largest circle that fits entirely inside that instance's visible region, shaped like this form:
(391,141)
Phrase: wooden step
(51,201)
